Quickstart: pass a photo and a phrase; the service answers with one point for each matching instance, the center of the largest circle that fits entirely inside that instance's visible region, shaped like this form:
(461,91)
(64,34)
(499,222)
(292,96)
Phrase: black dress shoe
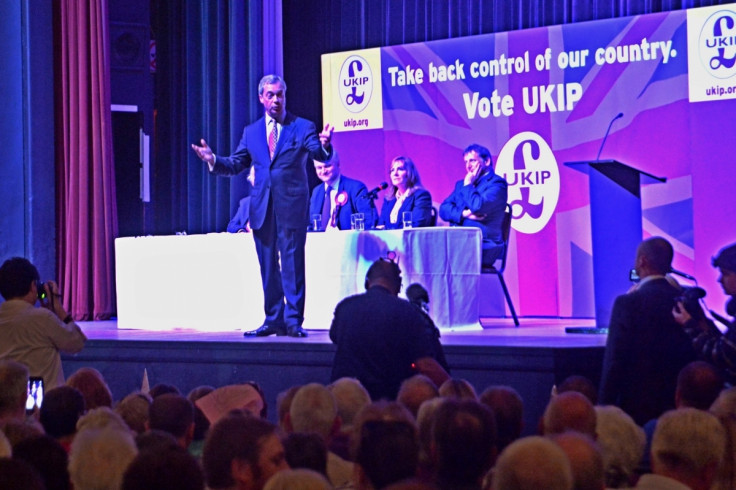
(296,332)
(265,331)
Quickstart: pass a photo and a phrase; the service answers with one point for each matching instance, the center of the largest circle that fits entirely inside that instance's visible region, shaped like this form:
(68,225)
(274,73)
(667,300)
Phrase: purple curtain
(86,207)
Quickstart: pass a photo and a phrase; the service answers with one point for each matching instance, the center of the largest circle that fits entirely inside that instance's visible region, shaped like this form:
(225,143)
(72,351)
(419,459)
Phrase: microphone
(373,193)
(682,274)
(618,116)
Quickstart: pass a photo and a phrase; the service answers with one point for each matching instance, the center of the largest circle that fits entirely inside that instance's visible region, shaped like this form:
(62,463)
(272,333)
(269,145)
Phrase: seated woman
(405,194)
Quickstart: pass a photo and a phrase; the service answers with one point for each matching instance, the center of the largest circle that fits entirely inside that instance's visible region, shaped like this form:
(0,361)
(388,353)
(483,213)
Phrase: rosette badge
(341,198)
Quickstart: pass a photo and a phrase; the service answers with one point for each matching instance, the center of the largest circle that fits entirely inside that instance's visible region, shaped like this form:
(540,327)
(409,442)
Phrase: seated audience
(155,440)
(416,390)
(134,411)
(479,201)
(201,424)
(425,423)
(405,194)
(570,411)
(99,457)
(92,386)
(173,414)
(381,339)
(242,451)
(306,450)
(581,384)
(61,409)
(168,469)
(458,388)
(508,410)
(464,442)
(163,388)
(688,446)
(47,456)
(586,460)
(725,409)
(533,463)
(101,418)
(283,405)
(35,336)
(622,444)
(338,198)
(351,397)
(386,453)
(14,392)
(6,450)
(298,479)
(15,473)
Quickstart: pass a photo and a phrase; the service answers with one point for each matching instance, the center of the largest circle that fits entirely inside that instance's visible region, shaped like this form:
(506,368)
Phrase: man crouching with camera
(30,335)
(710,344)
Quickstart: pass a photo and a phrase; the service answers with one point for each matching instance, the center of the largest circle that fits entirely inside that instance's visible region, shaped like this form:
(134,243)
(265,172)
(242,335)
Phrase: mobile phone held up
(35,394)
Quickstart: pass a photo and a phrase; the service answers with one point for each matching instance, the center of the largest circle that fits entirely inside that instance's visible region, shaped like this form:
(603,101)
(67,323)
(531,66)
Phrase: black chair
(505,233)
(433,219)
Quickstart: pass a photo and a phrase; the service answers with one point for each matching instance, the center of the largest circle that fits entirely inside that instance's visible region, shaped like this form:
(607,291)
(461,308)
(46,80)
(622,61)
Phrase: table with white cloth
(212,282)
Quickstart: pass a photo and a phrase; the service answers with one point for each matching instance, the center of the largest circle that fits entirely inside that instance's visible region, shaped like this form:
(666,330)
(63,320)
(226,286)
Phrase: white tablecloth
(212,282)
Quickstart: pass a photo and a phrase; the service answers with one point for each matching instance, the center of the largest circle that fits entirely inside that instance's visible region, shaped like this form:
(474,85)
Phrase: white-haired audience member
(725,409)
(570,411)
(314,410)
(101,418)
(416,390)
(586,460)
(688,447)
(458,388)
(298,479)
(350,396)
(14,382)
(622,443)
(99,457)
(532,463)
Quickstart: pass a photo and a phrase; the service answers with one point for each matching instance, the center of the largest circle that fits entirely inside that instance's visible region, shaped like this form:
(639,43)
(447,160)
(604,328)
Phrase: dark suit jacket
(357,202)
(645,351)
(420,205)
(285,178)
(488,196)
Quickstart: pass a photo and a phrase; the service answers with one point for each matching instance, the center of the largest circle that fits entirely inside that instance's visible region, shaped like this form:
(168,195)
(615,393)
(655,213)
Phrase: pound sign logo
(356,83)
(527,163)
(717,44)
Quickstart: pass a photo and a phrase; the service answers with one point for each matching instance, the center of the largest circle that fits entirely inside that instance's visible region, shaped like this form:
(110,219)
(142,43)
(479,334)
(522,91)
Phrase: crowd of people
(338,437)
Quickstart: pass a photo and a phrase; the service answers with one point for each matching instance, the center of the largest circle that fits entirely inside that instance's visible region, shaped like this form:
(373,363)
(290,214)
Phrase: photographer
(30,335)
(708,341)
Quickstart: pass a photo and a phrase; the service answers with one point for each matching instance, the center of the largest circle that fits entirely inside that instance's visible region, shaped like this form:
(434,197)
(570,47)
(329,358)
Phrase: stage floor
(531,358)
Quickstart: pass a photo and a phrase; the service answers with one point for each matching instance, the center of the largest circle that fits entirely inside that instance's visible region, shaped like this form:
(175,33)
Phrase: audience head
(92,386)
(15,473)
(653,257)
(172,468)
(688,445)
(134,411)
(313,409)
(16,277)
(387,452)
(283,405)
(298,479)
(458,388)
(155,440)
(17,431)
(586,460)
(698,385)
(425,422)
(48,457)
(581,384)
(464,442)
(201,424)
(403,175)
(14,382)
(508,410)
(385,273)
(532,463)
(570,411)
(725,403)
(726,259)
(101,418)
(726,263)
(416,390)
(622,444)
(173,414)
(328,171)
(61,409)
(162,389)
(350,396)
(306,450)
(241,448)
(99,457)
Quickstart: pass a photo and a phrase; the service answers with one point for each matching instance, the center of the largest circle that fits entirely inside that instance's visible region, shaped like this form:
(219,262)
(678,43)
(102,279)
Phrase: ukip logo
(717,44)
(356,83)
(529,166)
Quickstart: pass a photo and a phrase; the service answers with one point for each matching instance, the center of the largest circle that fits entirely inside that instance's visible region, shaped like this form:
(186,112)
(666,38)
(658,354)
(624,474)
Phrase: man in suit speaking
(279,145)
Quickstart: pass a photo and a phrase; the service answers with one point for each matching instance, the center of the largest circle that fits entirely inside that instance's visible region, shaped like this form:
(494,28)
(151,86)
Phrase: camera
(35,394)
(41,290)
(690,298)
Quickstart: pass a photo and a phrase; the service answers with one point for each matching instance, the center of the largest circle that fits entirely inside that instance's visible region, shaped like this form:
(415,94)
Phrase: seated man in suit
(346,197)
(479,200)
(240,222)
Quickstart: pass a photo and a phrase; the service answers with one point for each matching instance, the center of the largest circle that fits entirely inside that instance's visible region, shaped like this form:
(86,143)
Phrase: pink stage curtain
(86,207)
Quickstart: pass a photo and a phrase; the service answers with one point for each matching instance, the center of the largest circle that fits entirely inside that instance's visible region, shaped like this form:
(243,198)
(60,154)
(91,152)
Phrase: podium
(616,227)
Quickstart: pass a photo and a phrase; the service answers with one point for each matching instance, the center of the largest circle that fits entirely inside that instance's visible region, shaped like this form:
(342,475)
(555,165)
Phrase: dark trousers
(284,281)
